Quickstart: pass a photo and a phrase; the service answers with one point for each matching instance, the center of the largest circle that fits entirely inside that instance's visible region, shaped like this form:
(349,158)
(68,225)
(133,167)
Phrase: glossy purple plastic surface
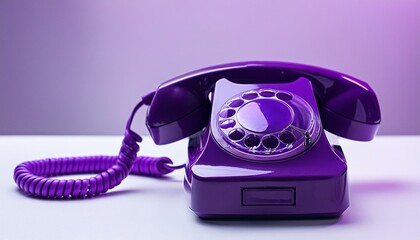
(261,116)
(311,183)
(348,106)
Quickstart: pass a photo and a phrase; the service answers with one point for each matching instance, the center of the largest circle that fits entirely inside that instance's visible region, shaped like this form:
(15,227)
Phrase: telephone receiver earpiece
(348,106)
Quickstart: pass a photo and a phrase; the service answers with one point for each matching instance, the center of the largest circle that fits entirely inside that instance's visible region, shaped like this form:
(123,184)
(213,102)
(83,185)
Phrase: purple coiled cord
(34,176)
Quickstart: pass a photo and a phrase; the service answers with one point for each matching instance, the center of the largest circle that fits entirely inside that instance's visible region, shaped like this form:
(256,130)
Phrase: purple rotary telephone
(257,145)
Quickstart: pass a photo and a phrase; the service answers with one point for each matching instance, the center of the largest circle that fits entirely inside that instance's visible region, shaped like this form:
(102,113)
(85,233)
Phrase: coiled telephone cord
(34,177)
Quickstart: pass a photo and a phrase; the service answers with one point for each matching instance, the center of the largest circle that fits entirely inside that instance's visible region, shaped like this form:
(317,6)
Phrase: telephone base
(324,198)
(312,185)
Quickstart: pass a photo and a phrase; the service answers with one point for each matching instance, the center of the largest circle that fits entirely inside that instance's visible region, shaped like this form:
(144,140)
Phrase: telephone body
(257,140)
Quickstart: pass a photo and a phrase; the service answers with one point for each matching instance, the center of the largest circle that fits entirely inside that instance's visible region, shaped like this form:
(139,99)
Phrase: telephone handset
(257,145)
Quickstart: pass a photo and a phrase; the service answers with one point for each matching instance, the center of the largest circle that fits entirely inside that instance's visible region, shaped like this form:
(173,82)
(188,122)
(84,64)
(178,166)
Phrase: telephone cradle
(261,142)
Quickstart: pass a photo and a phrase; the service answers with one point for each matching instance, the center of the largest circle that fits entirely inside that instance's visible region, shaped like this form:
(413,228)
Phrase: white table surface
(384,180)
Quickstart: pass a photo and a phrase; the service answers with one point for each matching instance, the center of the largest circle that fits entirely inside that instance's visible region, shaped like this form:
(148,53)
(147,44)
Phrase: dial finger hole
(228,123)
(236,103)
(284,96)
(252,141)
(227,113)
(249,95)
(236,134)
(287,137)
(267,93)
(270,142)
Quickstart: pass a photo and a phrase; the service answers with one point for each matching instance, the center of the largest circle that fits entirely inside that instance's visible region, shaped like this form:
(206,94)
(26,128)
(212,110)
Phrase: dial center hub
(265,116)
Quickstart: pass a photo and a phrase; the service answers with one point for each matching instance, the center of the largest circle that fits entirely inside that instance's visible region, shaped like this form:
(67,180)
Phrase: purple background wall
(78,67)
